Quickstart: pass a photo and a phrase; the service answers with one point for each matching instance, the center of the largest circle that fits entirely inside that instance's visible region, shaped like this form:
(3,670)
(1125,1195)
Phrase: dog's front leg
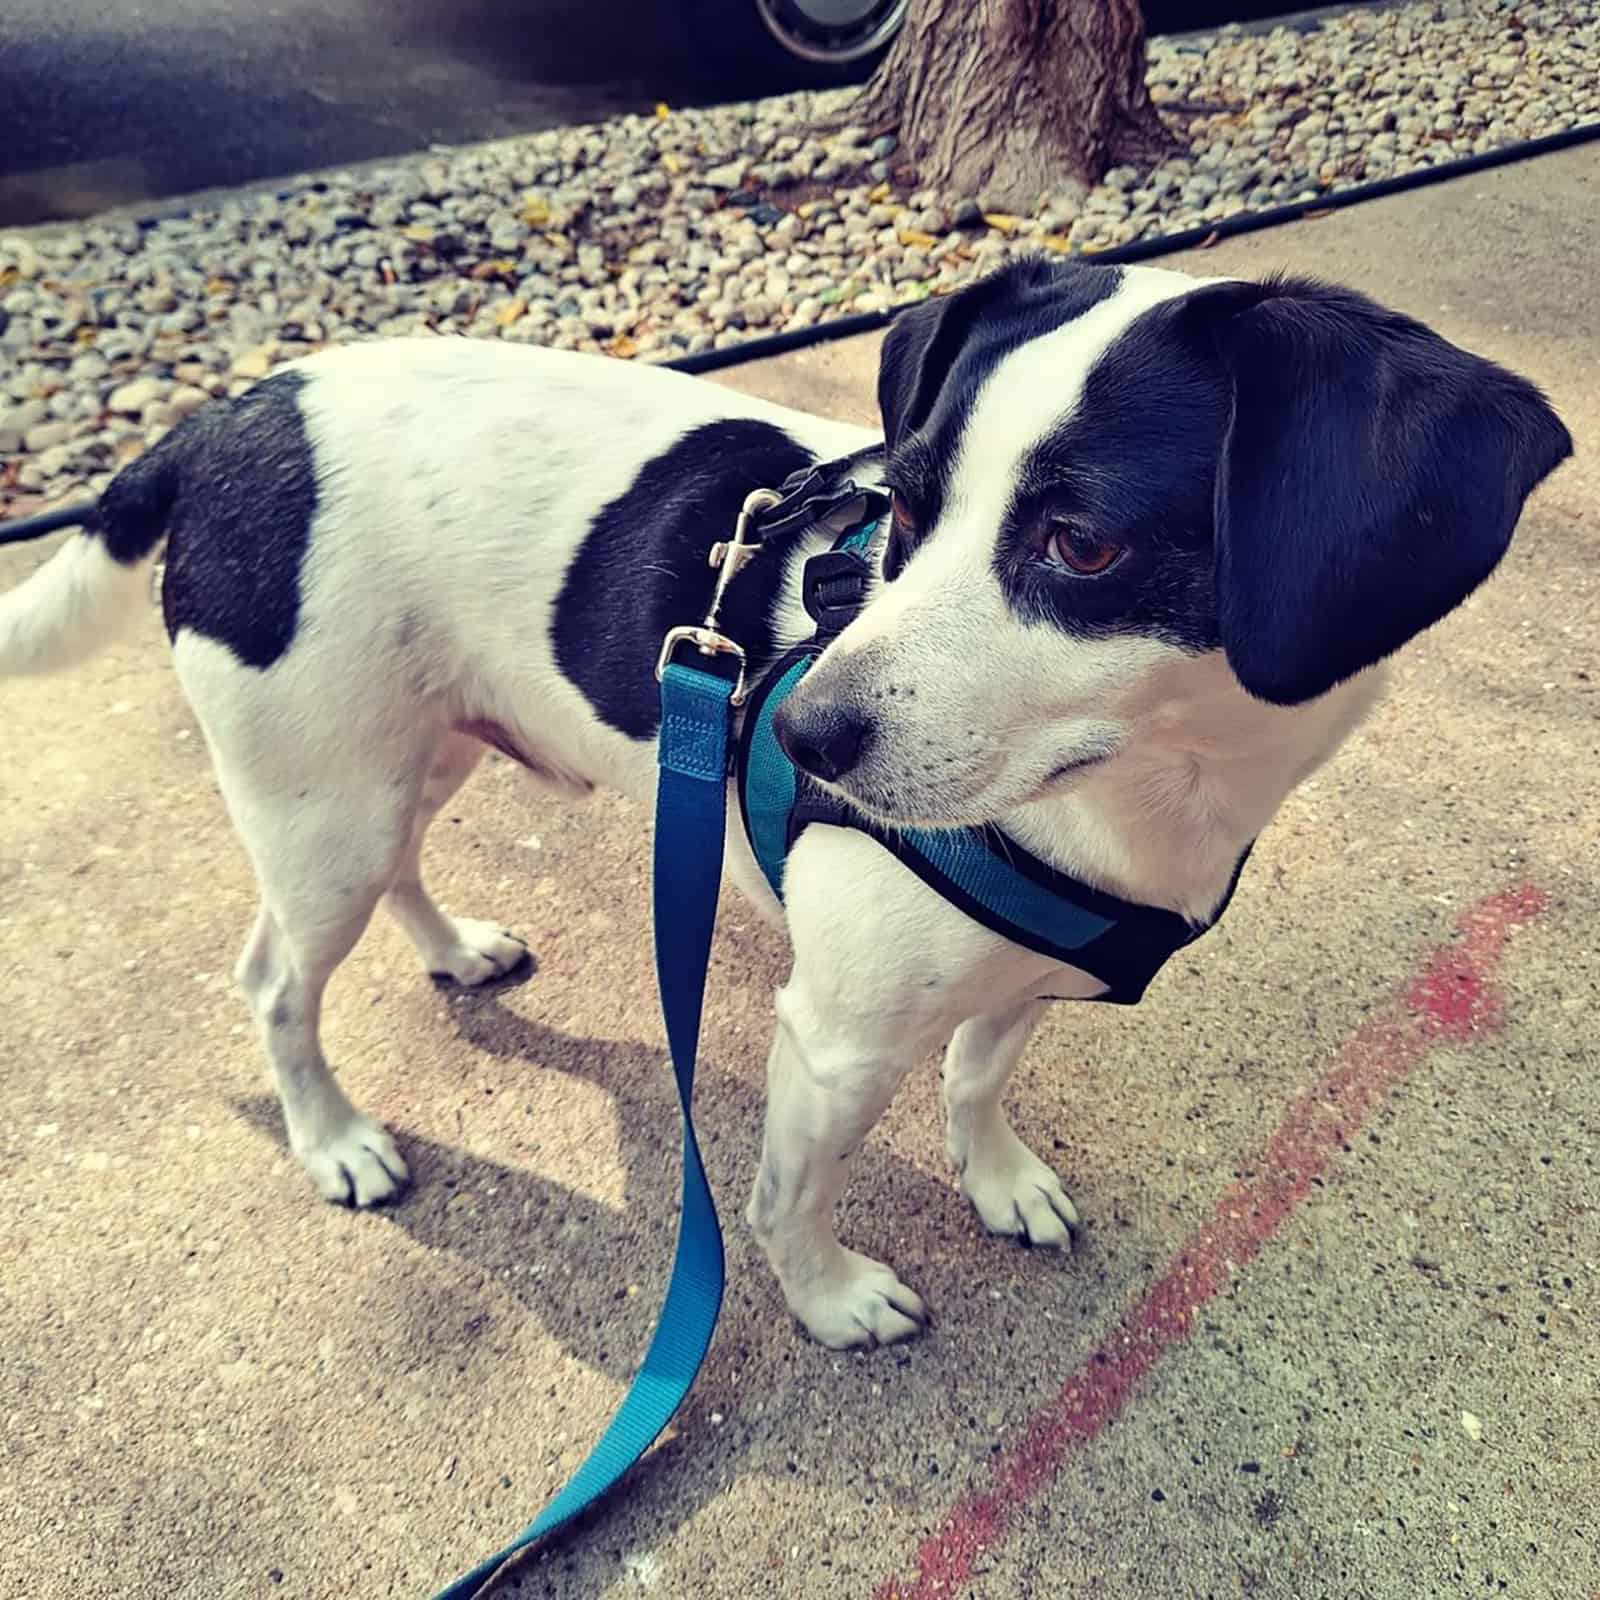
(1010,1188)
(826,1086)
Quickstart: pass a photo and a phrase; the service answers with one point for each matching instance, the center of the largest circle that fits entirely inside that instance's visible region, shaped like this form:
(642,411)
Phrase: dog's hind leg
(323,862)
(323,793)
(469,951)
(283,972)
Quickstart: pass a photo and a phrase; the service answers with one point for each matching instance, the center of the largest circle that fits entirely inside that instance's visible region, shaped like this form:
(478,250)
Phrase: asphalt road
(103,103)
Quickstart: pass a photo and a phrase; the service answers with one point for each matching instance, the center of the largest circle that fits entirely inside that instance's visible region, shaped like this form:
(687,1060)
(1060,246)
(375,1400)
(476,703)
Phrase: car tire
(735,39)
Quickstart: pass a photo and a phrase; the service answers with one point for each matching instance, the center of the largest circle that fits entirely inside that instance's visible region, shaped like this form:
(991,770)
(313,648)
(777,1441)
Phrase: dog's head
(1102,475)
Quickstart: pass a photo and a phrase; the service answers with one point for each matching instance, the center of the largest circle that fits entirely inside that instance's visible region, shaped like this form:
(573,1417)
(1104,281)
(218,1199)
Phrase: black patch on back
(240,522)
(642,567)
(1135,465)
(937,357)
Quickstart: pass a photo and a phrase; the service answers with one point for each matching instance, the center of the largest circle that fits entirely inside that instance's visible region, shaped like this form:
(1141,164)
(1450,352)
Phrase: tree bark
(1002,100)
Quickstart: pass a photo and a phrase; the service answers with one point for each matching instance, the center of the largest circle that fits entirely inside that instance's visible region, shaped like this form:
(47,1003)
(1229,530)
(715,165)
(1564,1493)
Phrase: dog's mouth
(881,810)
(885,812)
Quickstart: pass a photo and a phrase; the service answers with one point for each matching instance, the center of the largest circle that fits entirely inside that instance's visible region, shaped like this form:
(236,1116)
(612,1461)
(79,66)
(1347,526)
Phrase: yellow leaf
(920,241)
(807,208)
(218,286)
(419,233)
(662,111)
(1001,221)
(500,267)
(535,210)
(671,161)
(880,191)
(8,276)
(84,335)
(1058,242)
(622,345)
(510,312)
(1095,249)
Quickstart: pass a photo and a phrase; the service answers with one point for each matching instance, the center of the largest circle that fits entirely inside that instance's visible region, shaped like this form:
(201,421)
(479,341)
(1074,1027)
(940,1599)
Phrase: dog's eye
(1081,553)
(902,536)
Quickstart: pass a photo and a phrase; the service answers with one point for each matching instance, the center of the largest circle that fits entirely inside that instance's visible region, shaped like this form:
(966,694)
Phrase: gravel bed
(654,236)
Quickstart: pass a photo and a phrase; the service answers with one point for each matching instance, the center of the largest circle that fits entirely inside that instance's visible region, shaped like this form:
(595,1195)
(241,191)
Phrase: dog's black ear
(1370,480)
(1024,300)
(913,363)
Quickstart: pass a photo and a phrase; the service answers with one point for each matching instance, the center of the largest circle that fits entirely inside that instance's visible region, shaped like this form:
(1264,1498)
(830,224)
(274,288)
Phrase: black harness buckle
(833,587)
(813,493)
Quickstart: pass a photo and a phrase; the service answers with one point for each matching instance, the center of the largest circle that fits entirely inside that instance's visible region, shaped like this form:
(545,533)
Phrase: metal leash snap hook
(728,556)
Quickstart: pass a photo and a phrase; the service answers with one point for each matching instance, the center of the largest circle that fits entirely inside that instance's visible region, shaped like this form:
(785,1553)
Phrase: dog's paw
(856,1301)
(481,951)
(357,1165)
(1015,1193)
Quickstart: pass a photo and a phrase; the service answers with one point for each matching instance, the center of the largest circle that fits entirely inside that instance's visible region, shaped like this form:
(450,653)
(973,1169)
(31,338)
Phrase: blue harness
(982,871)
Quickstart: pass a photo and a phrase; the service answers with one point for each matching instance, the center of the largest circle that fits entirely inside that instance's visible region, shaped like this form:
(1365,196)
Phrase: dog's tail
(81,598)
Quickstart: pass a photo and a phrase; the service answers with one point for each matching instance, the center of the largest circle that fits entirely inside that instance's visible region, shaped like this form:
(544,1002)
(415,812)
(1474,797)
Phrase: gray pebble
(24,415)
(132,398)
(186,398)
(47,435)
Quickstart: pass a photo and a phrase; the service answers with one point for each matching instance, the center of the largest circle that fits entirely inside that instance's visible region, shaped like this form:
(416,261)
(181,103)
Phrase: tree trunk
(1002,100)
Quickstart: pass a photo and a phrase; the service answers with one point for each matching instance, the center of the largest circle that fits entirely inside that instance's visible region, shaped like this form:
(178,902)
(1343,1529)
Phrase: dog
(1152,539)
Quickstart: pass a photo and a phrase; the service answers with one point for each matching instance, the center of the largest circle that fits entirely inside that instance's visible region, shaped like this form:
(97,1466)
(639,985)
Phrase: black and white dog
(1151,537)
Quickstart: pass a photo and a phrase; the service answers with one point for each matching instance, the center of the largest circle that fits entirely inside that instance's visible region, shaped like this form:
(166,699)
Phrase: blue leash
(691,805)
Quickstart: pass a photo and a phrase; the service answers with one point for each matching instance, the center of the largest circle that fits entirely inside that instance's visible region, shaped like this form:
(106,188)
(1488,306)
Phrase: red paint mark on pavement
(1450,1000)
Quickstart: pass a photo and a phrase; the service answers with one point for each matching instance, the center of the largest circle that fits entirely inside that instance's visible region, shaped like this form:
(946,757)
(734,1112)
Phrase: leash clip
(728,556)
(709,643)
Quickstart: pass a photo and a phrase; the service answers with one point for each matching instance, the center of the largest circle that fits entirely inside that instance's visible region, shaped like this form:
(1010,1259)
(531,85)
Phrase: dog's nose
(825,740)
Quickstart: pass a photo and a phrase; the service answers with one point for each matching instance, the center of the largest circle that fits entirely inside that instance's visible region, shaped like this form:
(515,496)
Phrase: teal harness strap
(691,807)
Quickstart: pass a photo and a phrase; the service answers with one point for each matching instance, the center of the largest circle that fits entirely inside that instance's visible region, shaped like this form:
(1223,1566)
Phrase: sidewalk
(1334,1329)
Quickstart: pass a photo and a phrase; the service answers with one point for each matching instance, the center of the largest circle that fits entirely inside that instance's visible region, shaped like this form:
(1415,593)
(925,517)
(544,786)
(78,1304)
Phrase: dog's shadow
(570,1259)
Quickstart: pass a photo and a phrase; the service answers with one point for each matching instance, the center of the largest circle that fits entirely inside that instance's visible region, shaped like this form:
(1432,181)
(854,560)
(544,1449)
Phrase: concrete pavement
(1333,1328)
